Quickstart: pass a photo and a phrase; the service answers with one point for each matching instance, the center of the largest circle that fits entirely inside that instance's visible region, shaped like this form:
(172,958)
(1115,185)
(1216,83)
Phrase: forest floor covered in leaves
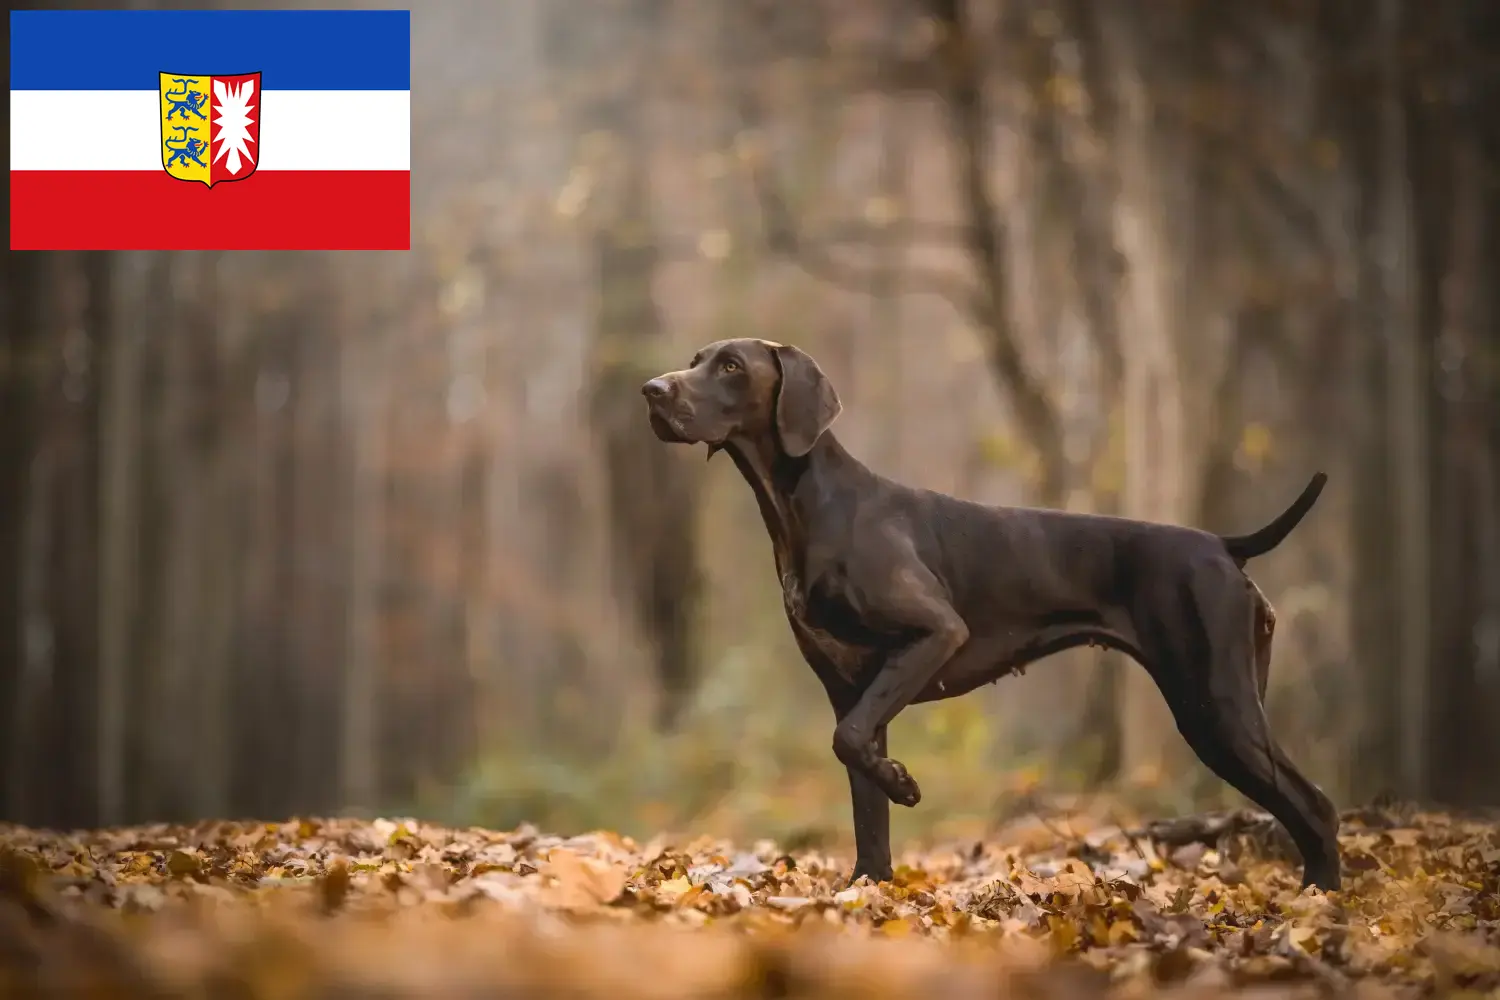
(1059,906)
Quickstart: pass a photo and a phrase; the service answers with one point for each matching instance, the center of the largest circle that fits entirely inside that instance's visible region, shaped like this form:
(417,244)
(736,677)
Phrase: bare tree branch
(906,234)
(963,90)
(987,305)
(1094,242)
(781,233)
(783,237)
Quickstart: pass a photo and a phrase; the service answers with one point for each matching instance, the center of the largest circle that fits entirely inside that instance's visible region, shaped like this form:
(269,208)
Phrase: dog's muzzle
(666,415)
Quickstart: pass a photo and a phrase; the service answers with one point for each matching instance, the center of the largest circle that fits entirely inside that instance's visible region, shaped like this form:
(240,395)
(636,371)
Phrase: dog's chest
(827,626)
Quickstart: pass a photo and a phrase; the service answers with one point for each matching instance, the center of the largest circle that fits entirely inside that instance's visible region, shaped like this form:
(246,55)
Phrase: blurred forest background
(307,533)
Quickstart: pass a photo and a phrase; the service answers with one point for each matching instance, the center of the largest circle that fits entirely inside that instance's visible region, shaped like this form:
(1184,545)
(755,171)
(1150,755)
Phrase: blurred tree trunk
(653,494)
(1407,380)
(1463,731)
(885,317)
(1427,601)
(263,748)
(147,719)
(1453,163)
(120,445)
(1374,614)
(363,392)
(1080,126)
(77,552)
(317,534)
(208,637)
(30,769)
(1087,181)
(962,56)
(180,507)
(1152,401)
(51,520)
(652,491)
(22,343)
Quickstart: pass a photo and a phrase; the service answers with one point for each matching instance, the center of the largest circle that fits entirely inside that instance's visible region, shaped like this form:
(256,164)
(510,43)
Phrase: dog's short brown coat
(897,595)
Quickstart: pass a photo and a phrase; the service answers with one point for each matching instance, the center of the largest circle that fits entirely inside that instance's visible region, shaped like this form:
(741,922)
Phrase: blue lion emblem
(188,102)
(187,148)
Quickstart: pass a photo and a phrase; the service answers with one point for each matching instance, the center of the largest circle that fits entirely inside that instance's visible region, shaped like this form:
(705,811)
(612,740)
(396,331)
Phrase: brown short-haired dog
(899,595)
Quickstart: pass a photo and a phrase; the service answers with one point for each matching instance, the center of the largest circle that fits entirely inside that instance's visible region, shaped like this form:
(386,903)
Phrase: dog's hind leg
(1237,751)
(1206,667)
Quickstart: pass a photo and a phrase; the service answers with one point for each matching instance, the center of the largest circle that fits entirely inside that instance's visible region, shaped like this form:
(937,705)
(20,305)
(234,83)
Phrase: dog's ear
(806,404)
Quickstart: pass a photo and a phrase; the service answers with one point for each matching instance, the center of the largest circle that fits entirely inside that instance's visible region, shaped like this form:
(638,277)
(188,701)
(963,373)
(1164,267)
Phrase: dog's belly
(846,649)
(995,653)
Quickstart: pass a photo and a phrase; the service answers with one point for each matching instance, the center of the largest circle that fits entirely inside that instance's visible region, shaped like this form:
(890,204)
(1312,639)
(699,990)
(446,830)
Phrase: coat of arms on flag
(124,124)
(210,126)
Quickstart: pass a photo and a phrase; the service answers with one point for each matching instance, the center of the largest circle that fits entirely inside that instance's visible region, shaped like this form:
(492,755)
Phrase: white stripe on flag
(121,130)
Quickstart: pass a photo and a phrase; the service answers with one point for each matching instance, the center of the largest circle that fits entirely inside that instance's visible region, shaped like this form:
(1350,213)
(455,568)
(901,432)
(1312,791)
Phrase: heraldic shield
(210,126)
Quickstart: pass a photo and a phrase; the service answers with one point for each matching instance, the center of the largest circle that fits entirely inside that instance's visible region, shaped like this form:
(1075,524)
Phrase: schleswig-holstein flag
(210,130)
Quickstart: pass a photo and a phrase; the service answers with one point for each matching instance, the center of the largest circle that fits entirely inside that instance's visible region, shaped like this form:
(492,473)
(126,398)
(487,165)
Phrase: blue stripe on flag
(293,49)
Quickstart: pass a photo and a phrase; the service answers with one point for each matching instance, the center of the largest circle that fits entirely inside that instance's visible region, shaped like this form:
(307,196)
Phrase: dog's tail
(1258,543)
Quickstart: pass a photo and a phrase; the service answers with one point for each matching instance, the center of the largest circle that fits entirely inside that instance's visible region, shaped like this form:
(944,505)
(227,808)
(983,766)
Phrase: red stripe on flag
(271,210)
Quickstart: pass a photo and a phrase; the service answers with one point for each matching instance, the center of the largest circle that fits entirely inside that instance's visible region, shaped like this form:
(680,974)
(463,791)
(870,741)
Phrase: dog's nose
(657,388)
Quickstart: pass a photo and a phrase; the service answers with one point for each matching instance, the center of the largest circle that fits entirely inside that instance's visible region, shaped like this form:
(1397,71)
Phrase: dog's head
(747,389)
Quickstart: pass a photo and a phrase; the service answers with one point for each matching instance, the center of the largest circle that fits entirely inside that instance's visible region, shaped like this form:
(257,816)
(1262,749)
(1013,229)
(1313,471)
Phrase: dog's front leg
(872,822)
(914,601)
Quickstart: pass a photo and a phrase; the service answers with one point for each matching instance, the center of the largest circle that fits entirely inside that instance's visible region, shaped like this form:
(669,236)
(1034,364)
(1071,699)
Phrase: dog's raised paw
(898,783)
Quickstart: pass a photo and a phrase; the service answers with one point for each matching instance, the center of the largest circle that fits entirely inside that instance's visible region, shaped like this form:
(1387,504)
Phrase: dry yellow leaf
(691,897)
(184,863)
(673,887)
(1122,932)
(580,883)
(1305,938)
(1062,934)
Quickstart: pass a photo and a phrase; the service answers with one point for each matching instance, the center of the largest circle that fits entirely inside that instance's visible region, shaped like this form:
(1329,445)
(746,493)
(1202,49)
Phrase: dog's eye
(728,367)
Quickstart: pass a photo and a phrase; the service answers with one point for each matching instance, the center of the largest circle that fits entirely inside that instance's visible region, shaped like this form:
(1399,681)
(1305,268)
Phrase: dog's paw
(1325,877)
(874,873)
(898,783)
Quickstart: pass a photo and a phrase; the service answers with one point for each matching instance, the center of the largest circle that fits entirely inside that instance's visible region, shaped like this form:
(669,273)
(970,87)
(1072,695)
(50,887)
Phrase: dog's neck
(787,489)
